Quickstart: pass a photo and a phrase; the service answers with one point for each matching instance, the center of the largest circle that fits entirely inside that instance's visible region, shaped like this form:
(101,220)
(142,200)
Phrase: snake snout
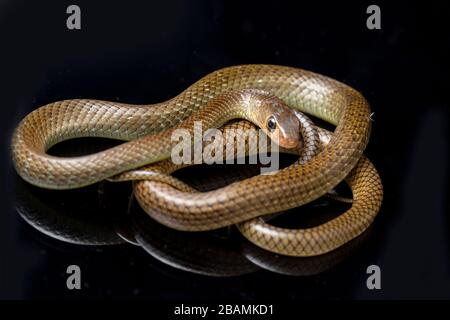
(289,135)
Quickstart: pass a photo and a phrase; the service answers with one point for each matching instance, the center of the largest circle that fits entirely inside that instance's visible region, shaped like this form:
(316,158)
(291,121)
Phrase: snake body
(363,180)
(145,125)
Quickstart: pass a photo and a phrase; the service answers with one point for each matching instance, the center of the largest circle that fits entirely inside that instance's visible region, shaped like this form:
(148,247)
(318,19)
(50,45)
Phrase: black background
(143,52)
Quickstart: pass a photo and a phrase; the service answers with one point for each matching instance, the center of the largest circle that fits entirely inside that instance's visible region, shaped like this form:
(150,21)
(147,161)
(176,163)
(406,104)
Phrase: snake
(265,95)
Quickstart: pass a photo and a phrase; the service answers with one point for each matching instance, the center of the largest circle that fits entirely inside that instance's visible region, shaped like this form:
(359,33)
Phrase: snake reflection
(220,254)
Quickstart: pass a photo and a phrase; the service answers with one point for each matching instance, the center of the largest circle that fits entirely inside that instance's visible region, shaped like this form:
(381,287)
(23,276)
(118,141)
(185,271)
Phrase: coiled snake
(261,94)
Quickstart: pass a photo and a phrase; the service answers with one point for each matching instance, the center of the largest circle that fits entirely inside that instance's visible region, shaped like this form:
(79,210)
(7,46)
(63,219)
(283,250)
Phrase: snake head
(281,124)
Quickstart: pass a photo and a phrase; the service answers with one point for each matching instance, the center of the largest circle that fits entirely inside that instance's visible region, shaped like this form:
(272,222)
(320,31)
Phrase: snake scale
(255,93)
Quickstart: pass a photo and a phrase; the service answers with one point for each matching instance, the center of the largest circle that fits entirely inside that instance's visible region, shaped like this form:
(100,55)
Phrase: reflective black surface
(142,53)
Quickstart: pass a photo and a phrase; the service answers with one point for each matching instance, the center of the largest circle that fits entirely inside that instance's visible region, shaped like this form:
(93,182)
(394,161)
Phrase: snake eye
(271,124)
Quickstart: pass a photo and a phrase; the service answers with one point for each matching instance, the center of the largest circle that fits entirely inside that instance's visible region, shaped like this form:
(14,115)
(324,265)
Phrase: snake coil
(325,159)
